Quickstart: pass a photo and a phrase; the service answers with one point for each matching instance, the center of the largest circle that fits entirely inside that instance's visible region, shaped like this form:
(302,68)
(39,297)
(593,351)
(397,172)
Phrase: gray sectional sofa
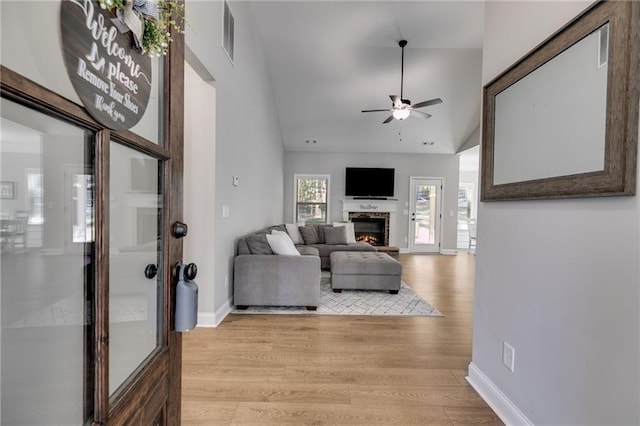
(262,278)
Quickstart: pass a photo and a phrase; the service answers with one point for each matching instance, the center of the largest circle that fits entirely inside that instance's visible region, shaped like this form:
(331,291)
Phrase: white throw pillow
(280,243)
(351,234)
(294,232)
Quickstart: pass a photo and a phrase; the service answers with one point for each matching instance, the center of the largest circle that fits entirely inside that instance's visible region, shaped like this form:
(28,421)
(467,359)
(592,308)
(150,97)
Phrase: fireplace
(372,228)
(362,211)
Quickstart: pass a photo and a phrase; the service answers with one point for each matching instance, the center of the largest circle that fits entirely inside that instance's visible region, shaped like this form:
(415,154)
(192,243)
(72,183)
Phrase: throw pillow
(335,235)
(309,234)
(281,244)
(351,234)
(321,228)
(258,244)
(294,232)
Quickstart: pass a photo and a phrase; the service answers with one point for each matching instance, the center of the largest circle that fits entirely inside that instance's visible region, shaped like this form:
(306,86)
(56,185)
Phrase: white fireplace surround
(373,206)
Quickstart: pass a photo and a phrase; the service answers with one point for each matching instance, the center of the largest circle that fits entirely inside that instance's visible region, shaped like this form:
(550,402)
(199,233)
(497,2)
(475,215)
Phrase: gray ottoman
(363,270)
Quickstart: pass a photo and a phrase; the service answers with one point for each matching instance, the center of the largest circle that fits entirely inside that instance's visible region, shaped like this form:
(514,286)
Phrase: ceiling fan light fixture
(401,114)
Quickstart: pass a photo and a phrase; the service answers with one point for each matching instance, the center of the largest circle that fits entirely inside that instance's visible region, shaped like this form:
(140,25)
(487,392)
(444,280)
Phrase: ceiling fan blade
(420,114)
(375,110)
(435,101)
(388,119)
(396,100)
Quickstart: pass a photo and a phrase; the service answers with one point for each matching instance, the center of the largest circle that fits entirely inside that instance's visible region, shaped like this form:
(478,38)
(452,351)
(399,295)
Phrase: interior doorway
(467,194)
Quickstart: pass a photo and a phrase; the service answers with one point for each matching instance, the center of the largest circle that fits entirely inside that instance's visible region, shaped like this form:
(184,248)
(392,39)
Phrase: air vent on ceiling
(228,28)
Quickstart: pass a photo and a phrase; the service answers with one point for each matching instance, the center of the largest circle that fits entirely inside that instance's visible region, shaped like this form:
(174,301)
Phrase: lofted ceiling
(331,59)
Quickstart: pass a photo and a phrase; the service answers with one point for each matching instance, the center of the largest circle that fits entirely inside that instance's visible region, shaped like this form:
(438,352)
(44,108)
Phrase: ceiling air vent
(228,28)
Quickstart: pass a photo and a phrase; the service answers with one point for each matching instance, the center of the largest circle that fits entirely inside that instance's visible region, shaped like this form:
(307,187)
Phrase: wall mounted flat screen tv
(369,182)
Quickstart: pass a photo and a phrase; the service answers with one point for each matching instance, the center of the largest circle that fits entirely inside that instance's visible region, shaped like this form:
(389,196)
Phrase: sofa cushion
(307,250)
(309,234)
(270,229)
(325,249)
(258,244)
(321,236)
(337,235)
(294,232)
(280,243)
(351,234)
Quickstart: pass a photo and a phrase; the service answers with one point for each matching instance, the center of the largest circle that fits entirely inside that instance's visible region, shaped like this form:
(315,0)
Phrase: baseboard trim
(213,319)
(493,396)
(449,252)
(404,250)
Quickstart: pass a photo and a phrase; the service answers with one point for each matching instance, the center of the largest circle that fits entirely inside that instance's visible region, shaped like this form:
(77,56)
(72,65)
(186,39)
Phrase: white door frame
(436,246)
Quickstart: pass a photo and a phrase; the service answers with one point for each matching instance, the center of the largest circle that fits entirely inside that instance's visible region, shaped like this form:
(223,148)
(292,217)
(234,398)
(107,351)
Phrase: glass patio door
(424,226)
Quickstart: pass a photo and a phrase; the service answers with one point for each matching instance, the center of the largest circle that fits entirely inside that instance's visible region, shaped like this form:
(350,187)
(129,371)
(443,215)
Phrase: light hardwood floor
(331,370)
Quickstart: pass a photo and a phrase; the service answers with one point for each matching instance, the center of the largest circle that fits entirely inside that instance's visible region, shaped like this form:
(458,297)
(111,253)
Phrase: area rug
(356,302)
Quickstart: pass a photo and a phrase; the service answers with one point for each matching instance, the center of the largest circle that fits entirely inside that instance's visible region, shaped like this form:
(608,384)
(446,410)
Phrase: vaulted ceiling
(331,59)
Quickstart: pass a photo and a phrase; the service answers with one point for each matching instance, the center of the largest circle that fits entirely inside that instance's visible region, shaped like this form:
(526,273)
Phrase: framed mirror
(563,121)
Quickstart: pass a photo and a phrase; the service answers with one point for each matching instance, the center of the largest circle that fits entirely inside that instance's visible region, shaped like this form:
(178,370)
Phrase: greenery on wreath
(157,36)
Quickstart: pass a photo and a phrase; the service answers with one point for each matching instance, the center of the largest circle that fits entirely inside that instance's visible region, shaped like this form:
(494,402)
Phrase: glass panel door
(135,248)
(46,293)
(425,215)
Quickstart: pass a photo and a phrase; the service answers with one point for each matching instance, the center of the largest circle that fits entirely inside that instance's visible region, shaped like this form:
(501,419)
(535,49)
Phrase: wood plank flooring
(339,370)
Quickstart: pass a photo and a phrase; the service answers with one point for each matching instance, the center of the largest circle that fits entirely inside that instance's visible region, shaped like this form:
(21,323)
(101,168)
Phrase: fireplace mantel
(373,206)
(382,206)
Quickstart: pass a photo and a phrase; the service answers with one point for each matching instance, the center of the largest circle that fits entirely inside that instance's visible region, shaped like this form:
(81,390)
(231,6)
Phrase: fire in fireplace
(370,230)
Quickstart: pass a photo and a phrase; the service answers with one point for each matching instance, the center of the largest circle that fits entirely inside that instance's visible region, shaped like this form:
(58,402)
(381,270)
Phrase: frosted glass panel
(134,240)
(46,280)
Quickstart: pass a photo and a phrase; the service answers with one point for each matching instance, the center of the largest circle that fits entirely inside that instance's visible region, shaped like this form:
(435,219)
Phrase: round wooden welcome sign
(112,80)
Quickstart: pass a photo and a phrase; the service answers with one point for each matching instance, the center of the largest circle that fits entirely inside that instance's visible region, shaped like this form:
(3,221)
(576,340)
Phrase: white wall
(406,165)
(558,279)
(248,139)
(199,179)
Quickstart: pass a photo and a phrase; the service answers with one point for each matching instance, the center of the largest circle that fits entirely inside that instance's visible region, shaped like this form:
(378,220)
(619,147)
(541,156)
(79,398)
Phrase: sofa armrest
(276,280)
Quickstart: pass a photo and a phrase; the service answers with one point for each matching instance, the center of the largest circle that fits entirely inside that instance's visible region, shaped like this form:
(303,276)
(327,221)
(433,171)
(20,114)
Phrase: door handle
(151,271)
(179,230)
(189,271)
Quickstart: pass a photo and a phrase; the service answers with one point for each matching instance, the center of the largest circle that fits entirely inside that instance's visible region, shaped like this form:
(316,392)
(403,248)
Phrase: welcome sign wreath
(107,45)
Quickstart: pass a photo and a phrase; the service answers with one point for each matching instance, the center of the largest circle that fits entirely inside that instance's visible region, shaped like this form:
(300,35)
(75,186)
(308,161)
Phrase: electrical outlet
(508,356)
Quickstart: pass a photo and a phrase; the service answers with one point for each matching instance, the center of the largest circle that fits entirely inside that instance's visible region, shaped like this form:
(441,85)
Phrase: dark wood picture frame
(618,177)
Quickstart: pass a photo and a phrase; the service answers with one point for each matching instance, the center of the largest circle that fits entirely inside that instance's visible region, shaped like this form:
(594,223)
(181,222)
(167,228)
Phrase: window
(312,198)
(228,28)
(34,195)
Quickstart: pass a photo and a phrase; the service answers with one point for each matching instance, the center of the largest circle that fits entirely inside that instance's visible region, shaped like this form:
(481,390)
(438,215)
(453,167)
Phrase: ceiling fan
(402,108)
